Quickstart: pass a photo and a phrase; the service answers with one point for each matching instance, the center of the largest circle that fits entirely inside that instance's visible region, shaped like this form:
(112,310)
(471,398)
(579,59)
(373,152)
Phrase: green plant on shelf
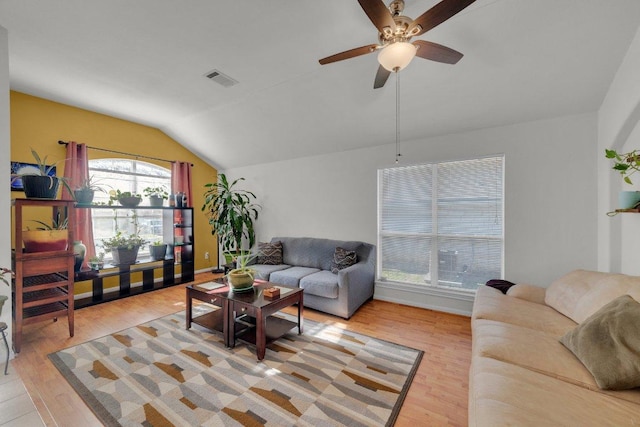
(116,195)
(121,240)
(625,163)
(160,192)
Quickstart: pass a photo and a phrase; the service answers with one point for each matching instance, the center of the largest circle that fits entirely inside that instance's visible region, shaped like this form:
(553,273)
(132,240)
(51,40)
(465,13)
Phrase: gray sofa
(307,264)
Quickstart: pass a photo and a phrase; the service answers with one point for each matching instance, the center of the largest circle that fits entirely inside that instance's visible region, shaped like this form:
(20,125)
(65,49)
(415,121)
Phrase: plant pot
(158,252)
(45,240)
(96,265)
(628,199)
(40,187)
(156,201)
(240,279)
(84,197)
(130,202)
(125,256)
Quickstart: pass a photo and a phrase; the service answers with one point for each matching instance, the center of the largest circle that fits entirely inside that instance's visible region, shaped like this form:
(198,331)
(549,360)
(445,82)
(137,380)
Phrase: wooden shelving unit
(43,285)
(175,222)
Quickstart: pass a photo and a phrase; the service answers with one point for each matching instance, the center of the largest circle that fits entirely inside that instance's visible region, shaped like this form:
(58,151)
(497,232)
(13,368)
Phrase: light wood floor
(438,394)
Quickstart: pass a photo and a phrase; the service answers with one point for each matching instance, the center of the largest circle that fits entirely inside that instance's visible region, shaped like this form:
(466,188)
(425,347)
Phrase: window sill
(454,301)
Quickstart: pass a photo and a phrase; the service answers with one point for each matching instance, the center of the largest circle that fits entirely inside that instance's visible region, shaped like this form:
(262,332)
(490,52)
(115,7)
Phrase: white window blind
(442,224)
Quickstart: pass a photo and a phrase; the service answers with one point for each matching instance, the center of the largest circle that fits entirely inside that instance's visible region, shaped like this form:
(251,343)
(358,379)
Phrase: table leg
(261,335)
(226,324)
(188,313)
(230,319)
(300,314)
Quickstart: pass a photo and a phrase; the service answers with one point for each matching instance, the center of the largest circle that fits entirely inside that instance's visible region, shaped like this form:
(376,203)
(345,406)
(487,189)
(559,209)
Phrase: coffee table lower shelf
(212,320)
(245,328)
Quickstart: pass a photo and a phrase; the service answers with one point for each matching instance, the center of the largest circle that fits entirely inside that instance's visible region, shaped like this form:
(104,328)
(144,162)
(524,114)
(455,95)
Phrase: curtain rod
(126,154)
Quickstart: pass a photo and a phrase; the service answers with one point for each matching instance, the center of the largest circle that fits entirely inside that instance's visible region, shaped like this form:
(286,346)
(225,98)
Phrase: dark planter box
(40,187)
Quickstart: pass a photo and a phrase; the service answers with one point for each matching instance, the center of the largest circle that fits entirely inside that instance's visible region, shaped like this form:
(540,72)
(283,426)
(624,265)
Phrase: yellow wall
(39,124)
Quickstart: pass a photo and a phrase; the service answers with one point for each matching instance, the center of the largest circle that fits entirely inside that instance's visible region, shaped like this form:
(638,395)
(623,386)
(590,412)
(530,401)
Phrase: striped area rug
(160,374)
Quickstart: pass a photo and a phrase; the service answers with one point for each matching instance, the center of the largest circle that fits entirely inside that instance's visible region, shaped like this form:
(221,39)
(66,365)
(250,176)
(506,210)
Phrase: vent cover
(221,79)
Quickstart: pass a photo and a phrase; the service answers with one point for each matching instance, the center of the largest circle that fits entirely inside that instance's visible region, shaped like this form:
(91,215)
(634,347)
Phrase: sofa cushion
(494,305)
(342,258)
(608,344)
(263,271)
(291,276)
(527,292)
(323,284)
(315,253)
(514,344)
(269,253)
(504,394)
(581,293)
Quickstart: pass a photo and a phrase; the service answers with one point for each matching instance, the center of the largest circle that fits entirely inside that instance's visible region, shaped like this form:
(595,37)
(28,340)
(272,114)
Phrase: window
(441,224)
(133,176)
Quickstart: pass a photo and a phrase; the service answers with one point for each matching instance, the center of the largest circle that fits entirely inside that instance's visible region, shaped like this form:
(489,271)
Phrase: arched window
(133,176)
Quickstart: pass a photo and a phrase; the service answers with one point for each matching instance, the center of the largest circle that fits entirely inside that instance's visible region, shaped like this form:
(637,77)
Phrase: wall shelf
(178,255)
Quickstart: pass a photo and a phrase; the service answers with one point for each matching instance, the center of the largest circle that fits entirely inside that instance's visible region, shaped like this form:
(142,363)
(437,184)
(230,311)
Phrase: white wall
(5,197)
(619,128)
(550,197)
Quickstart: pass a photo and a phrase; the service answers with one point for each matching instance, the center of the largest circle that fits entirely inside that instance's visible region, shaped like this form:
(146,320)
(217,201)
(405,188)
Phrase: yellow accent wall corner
(39,124)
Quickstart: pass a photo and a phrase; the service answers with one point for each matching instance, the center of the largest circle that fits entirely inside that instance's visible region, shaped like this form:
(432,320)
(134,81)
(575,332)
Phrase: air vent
(221,79)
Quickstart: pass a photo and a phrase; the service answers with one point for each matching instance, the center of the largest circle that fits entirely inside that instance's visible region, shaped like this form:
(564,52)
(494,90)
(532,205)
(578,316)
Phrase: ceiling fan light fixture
(396,56)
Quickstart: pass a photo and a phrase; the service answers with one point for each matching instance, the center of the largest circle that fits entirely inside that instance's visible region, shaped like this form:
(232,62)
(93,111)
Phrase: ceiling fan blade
(437,15)
(381,77)
(379,14)
(436,52)
(362,50)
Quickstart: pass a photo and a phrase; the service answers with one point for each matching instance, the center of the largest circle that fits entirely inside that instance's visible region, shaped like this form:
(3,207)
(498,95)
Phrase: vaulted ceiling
(145,61)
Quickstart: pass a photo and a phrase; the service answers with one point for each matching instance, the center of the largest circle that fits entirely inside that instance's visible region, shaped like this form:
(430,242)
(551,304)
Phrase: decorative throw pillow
(269,253)
(501,285)
(342,258)
(608,344)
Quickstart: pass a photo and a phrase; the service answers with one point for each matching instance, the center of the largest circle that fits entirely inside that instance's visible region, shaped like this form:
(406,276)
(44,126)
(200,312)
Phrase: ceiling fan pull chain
(397,116)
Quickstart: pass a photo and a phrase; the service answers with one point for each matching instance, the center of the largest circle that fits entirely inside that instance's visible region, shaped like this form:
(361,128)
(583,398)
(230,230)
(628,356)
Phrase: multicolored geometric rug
(160,374)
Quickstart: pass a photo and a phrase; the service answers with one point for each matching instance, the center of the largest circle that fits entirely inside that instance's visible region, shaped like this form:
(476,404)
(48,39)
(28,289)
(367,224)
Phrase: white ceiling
(145,61)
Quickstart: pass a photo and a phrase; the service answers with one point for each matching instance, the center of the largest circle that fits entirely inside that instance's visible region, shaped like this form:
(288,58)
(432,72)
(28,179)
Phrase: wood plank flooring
(438,394)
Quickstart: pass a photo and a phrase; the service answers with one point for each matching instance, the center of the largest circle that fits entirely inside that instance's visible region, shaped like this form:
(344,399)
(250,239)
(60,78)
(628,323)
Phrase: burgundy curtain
(181,180)
(76,170)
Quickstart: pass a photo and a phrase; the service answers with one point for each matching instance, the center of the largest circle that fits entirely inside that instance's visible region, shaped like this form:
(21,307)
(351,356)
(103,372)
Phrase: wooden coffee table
(247,315)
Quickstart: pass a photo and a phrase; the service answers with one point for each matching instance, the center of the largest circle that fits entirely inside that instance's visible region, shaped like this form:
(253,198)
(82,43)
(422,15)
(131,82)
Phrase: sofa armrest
(528,292)
(358,282)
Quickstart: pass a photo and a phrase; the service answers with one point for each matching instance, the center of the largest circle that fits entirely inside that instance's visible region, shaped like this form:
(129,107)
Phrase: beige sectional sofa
(522,375)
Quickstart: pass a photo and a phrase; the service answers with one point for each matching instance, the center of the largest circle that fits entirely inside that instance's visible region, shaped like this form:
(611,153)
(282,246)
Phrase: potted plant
(37,182)
(124,248)
(97,262)
(156,195)
(47,237)
(125,198)
(158,250)
(85,192)
(241,278)
(231,213)
(626,164)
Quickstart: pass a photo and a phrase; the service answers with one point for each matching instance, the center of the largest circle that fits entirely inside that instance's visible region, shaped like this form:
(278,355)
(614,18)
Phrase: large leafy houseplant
(231,213)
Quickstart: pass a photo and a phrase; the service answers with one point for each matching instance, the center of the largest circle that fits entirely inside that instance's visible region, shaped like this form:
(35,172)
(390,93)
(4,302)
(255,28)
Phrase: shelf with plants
(174,260)
(43,263)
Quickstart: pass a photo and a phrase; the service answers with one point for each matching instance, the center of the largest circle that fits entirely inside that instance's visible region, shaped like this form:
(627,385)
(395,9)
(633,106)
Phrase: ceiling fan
(396,30)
